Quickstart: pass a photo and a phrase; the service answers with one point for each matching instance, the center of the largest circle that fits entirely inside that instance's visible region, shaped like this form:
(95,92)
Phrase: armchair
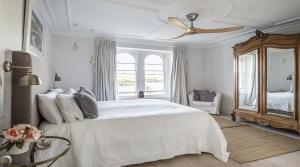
(210,107)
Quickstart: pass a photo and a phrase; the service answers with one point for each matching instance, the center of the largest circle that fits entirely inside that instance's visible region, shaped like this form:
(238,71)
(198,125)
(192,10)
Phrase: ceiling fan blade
(177,22)
(184,34)
(218,30)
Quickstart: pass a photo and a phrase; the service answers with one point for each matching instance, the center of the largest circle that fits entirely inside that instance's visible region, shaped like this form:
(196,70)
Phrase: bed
(281,101)
(126,132)
(136,131)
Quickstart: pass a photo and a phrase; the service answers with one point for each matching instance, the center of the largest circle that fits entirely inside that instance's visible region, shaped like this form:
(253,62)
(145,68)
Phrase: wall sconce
(26,80)
(75,47)
(93,60)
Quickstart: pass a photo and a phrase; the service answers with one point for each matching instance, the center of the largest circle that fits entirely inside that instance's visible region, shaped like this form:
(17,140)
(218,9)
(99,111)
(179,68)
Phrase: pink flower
(12,134)
(22,133)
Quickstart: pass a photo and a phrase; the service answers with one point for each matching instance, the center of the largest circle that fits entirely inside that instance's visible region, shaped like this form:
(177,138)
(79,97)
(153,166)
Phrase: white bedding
(136,131)
(280,101)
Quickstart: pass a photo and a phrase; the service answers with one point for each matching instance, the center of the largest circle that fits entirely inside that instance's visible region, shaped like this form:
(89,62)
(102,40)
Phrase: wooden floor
(207,160)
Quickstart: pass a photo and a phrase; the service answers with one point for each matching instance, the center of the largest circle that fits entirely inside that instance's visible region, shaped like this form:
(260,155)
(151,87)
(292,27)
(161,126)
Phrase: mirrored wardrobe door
(280,95)
(248,81)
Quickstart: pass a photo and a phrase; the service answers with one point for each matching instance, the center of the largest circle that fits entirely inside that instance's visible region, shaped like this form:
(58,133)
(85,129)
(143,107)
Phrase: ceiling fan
(192,30)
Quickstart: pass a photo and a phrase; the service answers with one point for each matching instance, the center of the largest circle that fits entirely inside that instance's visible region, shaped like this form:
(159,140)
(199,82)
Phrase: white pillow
(69,108)
(48,108)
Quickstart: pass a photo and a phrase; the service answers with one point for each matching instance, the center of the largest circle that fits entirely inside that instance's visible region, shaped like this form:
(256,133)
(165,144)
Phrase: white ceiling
(147,19)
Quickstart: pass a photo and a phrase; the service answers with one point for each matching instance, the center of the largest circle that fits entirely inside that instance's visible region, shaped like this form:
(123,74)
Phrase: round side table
(64,149)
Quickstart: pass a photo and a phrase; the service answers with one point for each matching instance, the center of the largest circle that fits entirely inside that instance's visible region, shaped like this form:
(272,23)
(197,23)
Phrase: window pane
(125,67)
(125,58)
(157,67)
(153,59)
(154,75)
(126,83)
(154,83)
(126,74)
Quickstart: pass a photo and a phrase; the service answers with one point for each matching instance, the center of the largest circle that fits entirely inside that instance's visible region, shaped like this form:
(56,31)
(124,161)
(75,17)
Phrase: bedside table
(64,148)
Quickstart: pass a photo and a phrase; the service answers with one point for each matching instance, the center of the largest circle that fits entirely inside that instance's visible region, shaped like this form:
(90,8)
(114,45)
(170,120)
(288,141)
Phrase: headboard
(23,98)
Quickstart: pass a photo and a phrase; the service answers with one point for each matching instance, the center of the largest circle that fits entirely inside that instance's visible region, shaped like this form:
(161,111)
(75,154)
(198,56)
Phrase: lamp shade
(30,79)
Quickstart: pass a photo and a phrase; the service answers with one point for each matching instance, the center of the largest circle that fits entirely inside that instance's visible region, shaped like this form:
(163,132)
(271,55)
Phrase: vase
(16,151)
(20,156)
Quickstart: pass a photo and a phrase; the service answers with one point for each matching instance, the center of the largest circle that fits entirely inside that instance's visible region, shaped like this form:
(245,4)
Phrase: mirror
(280,81)
(248,80)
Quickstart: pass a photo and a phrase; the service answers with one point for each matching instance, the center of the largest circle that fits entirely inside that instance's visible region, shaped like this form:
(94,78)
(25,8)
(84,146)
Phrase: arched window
(154,75)
(126,74)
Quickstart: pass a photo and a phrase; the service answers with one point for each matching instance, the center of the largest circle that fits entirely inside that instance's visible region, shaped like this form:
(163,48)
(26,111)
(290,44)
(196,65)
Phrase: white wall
(196,78)
(73,67)
(11,29)
(11,32)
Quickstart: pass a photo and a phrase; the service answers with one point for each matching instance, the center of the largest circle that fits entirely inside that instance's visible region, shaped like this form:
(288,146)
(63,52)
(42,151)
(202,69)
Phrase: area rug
(225,123)
(247,143)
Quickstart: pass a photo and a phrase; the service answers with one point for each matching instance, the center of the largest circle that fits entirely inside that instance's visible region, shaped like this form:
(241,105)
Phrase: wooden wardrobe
(266,80)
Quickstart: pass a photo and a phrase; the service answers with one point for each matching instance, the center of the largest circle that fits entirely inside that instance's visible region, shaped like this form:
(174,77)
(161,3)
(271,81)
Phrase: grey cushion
(197,94)
(87,91)
(207,96)
(87,104)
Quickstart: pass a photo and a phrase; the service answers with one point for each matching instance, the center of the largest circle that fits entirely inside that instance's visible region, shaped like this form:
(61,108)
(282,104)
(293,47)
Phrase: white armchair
(210,107)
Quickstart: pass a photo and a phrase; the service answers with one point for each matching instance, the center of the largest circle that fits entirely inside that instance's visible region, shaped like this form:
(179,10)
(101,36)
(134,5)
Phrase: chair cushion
(200,103)
(204,95)
(207,96)
(197,94)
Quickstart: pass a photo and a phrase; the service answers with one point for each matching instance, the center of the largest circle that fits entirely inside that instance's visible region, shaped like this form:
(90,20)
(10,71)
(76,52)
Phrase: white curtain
(105,74)
(249,65)
(179,76)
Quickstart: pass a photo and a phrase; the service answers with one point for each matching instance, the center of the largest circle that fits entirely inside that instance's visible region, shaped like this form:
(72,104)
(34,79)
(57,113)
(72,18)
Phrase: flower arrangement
(19,135)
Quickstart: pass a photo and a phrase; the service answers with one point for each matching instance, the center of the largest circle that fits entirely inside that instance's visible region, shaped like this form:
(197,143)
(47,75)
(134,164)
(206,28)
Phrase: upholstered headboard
(23,99)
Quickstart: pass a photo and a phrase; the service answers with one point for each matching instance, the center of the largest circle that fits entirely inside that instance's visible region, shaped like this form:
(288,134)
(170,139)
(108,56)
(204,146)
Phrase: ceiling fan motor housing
(192,16)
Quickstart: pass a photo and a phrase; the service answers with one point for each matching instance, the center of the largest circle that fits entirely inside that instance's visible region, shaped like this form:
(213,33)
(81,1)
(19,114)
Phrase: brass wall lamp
(26,80)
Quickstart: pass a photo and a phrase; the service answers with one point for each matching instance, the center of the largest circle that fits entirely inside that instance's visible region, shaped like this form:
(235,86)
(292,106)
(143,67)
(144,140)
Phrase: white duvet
(136,131)
(280,101)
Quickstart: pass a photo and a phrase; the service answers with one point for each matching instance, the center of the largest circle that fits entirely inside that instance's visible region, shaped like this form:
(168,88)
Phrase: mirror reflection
(248,80)
(280,81)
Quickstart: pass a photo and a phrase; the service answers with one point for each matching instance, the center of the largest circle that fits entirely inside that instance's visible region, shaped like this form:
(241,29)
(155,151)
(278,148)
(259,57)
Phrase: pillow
(48,109)
(71,91)
(87,104)
(68,108)
(87,91)
(58,90)
(197,94)
(207,96)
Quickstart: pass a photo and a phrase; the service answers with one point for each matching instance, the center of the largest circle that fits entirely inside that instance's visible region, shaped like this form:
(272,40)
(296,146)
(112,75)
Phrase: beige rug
(225,123)
(246,143)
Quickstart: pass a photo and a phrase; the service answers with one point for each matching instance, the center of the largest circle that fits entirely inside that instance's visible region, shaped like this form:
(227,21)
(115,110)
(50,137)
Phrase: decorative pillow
(68,108)
(87,91)
(87,104)
(197,94)
(207,96)
(48,108)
